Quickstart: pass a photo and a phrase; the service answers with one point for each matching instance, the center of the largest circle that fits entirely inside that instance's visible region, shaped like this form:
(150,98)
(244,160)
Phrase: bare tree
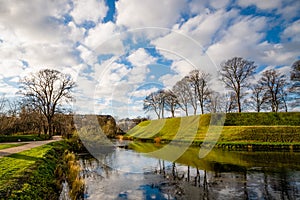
(171,101)
(153,102)
(295,75)
(8,115)
(214,102)
(229,102)
(273,83)
(64,124)
(235,73)
(258,97)
(295,83)
(3,114)
(46,91)
(182,89)
(199,82)
(3,101)
(284,96)
(14,107)
(161,97)
(31,120)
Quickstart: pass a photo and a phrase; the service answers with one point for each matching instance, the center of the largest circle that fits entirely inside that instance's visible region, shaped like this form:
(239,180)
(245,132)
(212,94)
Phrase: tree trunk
(239,103)
(49,121)
(186,112)
(274,107)
(45,129)
(173,171)
(188,174)
(202,109)
(285,107)
(158,114)
(162,111)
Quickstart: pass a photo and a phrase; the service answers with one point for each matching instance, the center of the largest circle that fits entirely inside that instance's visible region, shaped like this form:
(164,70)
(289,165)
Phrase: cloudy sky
(118,52)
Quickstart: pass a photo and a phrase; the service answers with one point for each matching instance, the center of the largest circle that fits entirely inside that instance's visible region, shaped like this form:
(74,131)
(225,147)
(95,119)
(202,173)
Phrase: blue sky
(118,52)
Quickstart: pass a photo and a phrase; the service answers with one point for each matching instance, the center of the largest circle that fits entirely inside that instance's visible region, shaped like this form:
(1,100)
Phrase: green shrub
(23,138)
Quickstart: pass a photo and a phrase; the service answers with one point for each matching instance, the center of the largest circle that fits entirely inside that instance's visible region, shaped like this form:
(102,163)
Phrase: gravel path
(29,145)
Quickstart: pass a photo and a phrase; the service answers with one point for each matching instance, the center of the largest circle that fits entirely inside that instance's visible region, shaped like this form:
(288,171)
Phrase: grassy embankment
(38,173)
(240,130)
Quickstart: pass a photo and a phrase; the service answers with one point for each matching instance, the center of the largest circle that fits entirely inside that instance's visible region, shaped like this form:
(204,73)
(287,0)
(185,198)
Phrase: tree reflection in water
(238,175)
(260,183)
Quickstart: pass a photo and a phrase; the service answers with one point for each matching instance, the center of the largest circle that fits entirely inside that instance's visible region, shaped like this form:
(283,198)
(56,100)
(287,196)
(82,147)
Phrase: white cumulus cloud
(88,10)
(149,13)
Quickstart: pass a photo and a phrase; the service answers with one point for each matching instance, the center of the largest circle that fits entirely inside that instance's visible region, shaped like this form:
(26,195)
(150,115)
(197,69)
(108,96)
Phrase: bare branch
(235,73)
(46,90)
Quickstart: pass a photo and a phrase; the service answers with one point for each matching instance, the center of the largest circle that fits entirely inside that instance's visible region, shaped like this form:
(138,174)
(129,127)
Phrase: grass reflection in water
(220,175)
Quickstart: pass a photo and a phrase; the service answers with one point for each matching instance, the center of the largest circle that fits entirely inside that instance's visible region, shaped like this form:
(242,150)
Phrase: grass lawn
(13,167)
(6,146)
(32,174)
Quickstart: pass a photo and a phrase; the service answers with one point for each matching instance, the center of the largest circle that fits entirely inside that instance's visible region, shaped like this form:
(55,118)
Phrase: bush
(23,138)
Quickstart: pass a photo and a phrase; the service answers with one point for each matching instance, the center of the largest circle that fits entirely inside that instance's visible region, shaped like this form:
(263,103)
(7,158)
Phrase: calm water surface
(130,174)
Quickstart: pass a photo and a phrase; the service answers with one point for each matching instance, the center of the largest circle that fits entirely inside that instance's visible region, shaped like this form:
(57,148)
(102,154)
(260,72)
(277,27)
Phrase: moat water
(131,174)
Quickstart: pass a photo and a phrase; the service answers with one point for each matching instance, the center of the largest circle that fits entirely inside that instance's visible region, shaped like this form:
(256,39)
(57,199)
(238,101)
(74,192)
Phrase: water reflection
(126,174)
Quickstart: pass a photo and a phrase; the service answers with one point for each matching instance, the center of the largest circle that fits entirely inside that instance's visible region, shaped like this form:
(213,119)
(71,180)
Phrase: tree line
(41,108)
(273,92)
(46,92)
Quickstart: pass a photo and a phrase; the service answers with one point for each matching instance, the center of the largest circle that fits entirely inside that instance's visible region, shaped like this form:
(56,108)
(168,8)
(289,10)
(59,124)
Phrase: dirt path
(30,145)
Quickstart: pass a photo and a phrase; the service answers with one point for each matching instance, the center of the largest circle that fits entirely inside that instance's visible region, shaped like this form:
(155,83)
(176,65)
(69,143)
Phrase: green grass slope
(30,174)
(243,128)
